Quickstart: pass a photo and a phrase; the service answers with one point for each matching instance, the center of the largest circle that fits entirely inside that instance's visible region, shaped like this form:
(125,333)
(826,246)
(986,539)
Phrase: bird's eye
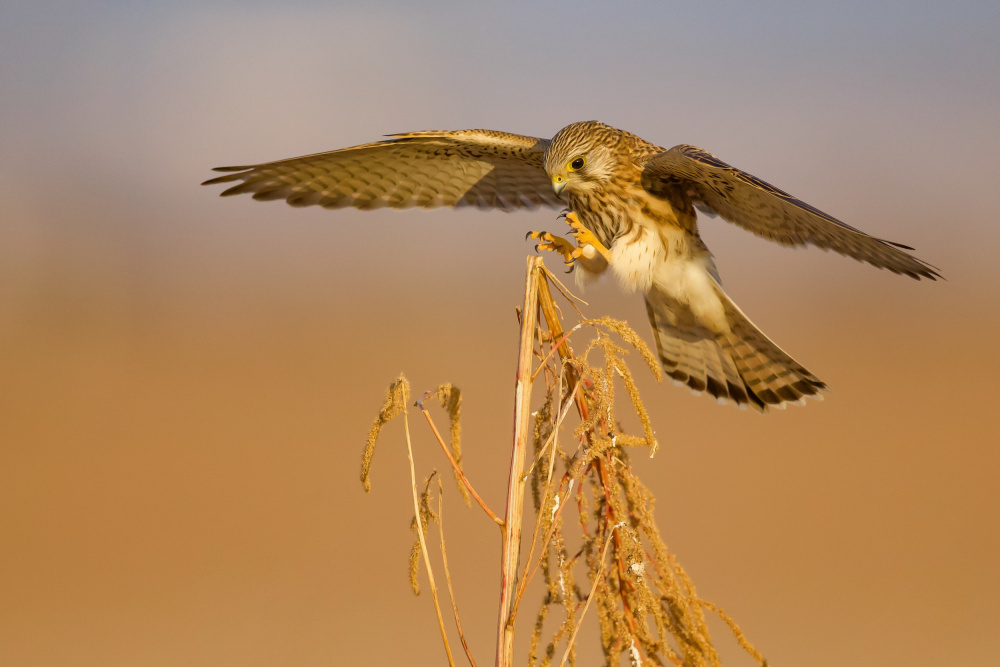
(577,163)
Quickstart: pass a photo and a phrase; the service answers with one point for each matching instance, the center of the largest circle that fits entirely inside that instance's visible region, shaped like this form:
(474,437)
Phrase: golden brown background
(187,381)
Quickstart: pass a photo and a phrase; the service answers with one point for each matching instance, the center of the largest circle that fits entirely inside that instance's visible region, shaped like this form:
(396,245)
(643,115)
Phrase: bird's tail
(742,365)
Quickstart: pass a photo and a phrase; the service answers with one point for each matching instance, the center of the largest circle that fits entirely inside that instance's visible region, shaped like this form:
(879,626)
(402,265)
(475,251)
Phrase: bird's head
(582,156)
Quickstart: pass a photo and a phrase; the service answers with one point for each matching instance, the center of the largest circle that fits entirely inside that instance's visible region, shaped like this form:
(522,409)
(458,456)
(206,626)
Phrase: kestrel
(631,205)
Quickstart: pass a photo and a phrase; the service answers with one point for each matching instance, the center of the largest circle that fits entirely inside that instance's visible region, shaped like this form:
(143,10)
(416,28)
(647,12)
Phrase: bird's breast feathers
(657,252)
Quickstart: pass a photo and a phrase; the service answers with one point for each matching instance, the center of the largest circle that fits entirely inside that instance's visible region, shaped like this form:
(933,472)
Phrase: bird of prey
(632,208)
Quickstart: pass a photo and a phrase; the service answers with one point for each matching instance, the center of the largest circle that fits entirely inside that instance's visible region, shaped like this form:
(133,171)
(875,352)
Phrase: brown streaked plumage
(637,199)
(482,168)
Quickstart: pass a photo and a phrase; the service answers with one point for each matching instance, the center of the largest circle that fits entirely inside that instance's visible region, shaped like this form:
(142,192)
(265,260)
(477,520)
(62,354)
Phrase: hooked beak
(558,184)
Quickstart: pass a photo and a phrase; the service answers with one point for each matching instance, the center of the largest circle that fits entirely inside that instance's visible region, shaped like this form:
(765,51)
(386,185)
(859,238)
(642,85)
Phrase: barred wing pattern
(766,211)
(481,168)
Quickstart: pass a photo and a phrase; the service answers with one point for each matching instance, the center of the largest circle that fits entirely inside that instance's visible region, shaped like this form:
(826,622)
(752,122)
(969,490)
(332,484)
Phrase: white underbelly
(645,259)
(636,257)
(689,282)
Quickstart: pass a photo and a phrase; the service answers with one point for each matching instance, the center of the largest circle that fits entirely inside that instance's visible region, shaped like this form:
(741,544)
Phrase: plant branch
(555,346)
(529,571)
(598,578)
(423,543)
(454,465)
(447,574)
(511,529)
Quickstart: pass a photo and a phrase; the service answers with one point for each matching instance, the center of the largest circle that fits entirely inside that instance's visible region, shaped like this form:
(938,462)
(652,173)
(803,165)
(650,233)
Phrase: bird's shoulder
(639,149)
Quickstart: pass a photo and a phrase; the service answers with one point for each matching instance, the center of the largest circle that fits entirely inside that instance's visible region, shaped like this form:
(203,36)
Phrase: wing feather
(763,209)
(481,168)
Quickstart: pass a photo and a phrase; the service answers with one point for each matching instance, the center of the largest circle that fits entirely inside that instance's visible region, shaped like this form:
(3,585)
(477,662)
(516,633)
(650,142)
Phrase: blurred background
(187,381)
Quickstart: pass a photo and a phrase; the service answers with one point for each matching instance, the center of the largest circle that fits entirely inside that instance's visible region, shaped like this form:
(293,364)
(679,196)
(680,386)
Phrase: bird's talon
(585,237)
(551,243)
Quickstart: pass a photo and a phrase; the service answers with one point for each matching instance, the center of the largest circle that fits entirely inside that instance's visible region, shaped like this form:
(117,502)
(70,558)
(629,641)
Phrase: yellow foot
(552,243)
(585,237)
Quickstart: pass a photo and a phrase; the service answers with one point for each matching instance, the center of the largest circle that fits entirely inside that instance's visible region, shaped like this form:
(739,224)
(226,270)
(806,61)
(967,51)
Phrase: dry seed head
(536,635)
(640,409)
(451,401)
(629,335)
(737,632)
(540,435)
(653,614)
(427,515)
(414,567)
(395,400)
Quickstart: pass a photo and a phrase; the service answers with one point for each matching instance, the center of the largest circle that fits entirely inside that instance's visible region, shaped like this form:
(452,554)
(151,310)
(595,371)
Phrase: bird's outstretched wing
(765,210)
(482,168)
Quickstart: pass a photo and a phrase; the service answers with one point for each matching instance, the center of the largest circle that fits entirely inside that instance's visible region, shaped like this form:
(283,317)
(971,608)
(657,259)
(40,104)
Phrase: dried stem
(423,542)
(456,468)
(552,441)
(515,488)
(598,577)
(565,291)
(551,315)
(562,340)
(545,543)
(447,575)
(653,613)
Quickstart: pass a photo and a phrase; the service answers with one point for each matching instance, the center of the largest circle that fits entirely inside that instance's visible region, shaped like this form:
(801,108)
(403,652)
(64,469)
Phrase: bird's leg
(585,237)
(552,243)
(587,248)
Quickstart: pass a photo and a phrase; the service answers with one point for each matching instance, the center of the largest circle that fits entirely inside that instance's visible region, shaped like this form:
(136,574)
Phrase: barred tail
(743,365)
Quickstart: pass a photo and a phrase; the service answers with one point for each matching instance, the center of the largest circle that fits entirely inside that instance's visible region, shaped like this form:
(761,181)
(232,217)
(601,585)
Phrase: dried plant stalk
(451,400)
(447,577)
(511,530)
(646,605)
(419,508)
(465,484)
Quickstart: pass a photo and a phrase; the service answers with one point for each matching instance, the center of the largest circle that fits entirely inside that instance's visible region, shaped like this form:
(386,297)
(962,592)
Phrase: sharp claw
(528,235)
